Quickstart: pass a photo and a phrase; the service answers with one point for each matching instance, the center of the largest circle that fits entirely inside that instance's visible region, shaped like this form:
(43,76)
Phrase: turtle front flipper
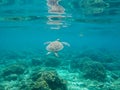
(65,43)
(47,42)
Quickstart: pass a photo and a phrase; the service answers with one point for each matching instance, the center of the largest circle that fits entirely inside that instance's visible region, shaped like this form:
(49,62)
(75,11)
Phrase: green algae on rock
(45,80)
(52,80)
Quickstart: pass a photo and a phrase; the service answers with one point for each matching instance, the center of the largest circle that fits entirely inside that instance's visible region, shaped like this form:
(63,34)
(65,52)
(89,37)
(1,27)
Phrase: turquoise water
(91,27)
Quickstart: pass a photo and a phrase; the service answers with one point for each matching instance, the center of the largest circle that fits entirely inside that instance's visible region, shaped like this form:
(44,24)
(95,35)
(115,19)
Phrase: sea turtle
(55,46)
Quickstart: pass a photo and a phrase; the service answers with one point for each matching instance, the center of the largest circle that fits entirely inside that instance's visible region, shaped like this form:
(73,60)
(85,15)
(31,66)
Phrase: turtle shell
(55,46)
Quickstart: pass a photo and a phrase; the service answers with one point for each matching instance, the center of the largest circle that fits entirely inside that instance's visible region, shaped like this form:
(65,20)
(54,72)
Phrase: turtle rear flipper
(56,54)
(48,53)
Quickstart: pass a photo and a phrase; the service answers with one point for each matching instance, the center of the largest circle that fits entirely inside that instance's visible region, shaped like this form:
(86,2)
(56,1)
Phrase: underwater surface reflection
(59,45)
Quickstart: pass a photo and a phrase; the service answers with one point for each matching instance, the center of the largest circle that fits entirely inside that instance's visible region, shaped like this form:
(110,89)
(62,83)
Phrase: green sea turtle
(55,46)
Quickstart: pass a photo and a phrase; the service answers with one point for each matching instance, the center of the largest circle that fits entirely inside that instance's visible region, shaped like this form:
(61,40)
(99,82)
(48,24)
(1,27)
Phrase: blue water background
(80,30)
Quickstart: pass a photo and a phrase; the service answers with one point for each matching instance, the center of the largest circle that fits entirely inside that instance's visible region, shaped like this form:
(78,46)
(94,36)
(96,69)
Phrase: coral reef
(109,60)
(45,80)
(76,63)
(93,70)
(81,71)
(52,61)
(36,61)
(2,87)
(99,55)
(11,72)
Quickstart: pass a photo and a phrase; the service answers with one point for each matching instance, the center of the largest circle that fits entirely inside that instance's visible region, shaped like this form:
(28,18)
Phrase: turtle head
(58,39)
